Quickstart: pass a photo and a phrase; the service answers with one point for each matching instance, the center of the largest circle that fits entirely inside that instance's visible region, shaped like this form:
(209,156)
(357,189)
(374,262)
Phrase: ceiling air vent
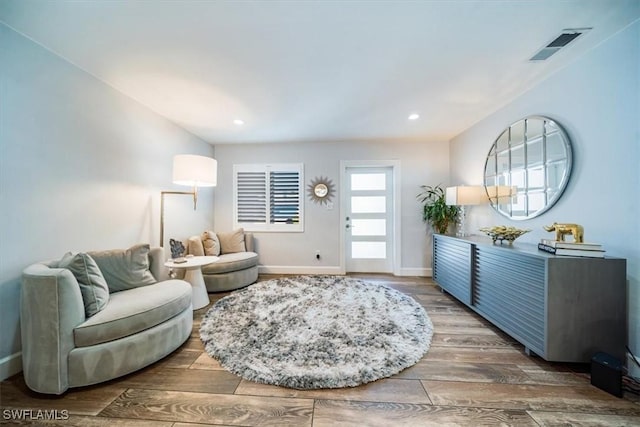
(566,37)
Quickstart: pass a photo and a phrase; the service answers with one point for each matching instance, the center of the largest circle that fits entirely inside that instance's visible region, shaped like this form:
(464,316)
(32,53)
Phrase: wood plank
(582,420)
(465,319)
(395,280)
(199,425)
(575,398)
(489,372)
(466,330)
(508,356)
(86,421)
(539,376)
(79,401)
(203,381)
(413,289)
(469,340)
(461,371)
(439,309)
(204,361)
(194,343)
(440,300)
(211,408)
(182,358)
(540,364)
(330,413)
(384,390)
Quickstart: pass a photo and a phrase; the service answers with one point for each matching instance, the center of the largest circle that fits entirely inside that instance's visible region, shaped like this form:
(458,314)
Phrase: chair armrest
(156,264)
(248,242)
(50,308)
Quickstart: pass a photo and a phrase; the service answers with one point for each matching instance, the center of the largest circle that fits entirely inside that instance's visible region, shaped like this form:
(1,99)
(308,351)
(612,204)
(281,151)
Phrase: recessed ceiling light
(238,122)
(414,116)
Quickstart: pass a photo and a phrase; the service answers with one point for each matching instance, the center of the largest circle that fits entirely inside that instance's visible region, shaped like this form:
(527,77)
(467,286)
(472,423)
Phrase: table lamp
(463,196)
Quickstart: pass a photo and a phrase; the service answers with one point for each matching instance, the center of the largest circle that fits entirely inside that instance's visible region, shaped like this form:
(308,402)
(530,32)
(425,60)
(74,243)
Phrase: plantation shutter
(269,197)
(251,197)
(285,197)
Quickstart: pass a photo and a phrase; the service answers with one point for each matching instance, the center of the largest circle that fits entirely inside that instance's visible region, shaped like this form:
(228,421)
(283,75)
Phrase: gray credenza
(564,309)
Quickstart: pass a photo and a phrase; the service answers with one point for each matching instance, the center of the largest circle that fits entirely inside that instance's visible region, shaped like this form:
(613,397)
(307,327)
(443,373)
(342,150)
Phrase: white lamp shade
(465,195)
(195,171)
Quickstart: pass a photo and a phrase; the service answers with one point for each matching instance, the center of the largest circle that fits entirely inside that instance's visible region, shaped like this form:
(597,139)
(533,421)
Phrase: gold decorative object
(321,190)
(576,230)
(502,233)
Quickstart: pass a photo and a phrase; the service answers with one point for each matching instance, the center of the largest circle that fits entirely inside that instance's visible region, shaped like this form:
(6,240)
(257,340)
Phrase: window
(268,197)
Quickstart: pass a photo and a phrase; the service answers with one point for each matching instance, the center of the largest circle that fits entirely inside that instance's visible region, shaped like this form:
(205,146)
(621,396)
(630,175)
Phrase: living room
(83,163)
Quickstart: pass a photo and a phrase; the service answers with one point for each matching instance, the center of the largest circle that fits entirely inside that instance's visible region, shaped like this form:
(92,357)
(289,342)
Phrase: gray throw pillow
(125,268)
(93,287)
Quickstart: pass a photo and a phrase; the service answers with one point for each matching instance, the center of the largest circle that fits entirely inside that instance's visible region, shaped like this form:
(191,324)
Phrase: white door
(369,219)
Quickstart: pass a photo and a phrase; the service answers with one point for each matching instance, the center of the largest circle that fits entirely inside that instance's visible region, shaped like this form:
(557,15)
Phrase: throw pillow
(93,287)
(125,268)
(211,243)
(232,242)
(195,246)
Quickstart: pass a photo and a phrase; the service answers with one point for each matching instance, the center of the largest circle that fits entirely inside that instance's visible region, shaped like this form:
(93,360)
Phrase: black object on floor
(606,373)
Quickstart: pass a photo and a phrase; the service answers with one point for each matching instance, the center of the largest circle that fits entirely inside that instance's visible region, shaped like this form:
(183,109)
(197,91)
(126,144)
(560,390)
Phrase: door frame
(396,241)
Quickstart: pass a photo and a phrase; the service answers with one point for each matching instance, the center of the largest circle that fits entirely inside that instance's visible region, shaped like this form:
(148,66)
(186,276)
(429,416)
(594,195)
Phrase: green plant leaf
(435,209)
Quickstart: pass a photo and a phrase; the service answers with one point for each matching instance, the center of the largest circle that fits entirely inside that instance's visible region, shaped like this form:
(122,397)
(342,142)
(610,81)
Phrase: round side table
(193,275)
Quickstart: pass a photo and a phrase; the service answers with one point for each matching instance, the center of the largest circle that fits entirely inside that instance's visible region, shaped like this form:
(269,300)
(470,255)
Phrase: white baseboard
(309,269)
(10,365)
(302,269)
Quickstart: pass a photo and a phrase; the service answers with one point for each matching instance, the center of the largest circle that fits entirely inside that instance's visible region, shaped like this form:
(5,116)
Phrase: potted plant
(435,209)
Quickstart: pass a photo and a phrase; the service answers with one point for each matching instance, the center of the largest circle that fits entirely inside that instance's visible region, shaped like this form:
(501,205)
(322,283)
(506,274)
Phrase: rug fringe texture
(313,332)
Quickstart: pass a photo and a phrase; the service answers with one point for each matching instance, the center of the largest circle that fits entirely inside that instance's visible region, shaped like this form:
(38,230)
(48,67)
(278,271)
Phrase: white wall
(81,168)
(597,100)
(420,163)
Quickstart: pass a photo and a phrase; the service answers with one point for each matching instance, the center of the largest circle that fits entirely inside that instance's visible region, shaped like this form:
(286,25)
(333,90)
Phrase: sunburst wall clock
(321,190)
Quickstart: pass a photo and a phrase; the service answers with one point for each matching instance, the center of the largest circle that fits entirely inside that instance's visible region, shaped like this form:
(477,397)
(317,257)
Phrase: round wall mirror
(321,190)
(528,168)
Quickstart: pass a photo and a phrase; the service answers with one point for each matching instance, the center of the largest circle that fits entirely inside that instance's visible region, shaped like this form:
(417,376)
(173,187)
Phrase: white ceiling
(318,70)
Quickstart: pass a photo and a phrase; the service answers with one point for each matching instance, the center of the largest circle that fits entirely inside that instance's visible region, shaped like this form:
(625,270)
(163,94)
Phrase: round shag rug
(312,332)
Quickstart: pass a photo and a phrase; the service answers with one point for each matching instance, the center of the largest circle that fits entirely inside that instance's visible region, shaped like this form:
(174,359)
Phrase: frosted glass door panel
(368,204)
(368,250)
(368,181)
(369,227)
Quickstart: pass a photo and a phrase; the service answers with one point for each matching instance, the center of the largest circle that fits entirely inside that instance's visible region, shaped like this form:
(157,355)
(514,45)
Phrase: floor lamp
(464,196)
(193,171)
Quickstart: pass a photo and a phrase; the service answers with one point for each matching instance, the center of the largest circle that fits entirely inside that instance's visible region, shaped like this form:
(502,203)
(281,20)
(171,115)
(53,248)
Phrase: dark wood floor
(472,375)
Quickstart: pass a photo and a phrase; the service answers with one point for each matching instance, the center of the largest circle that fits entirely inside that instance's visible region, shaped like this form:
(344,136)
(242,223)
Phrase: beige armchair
(237,266)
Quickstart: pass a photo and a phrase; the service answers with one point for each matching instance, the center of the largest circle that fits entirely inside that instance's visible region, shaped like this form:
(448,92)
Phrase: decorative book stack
(590,250)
